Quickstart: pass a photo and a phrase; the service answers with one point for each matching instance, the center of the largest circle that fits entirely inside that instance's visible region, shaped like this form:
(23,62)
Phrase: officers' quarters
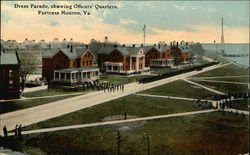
(68,65)
(122,60)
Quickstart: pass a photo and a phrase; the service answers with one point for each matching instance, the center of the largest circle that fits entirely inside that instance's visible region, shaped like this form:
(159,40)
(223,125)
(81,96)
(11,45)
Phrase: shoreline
(234,62)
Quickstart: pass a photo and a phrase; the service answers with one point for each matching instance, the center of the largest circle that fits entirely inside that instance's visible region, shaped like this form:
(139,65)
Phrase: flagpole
(144,37)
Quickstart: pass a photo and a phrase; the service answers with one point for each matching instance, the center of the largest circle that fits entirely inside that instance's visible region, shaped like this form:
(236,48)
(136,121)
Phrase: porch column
(59,75)
(70,77)
(54,75)
(130,63)
(112,68)
(81,76)
(137,64)
(143,62)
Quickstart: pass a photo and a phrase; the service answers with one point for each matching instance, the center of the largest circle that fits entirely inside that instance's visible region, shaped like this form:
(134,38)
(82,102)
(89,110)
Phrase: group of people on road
(106,87)
(17,131)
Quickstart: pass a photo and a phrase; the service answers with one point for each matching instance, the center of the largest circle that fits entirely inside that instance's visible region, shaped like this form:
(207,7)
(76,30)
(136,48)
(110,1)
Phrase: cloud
(179,7)
(124,21)
(53,23)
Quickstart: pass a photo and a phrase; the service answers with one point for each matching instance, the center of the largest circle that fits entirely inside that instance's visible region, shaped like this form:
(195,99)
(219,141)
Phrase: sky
(198,21)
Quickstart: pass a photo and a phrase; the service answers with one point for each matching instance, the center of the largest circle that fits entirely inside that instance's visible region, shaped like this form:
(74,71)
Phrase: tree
(28,66)
(177,58)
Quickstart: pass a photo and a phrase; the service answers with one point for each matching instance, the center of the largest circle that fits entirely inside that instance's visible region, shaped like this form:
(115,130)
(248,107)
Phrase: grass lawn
(229,70)
(119,79)
(132,105)
(240,104)
(214,134)
(179,89)
(55,91)
(225,87)
(18,105)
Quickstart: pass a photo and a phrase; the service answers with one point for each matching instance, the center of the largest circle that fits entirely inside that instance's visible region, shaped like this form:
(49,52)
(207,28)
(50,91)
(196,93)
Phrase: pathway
(47,111)
(172,97)
(42,97)
(216,81)
(218,77)
(114,122)
(32,89)
(209,89)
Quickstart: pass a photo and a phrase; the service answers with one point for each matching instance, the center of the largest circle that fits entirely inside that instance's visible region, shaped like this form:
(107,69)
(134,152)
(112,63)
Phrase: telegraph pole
(118,142)
(148,146)
(144,31)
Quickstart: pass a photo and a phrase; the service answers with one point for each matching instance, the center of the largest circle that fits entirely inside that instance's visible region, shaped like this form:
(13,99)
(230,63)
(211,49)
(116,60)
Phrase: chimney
(141,45)
(49,46)
(186,43)
(177,44)
(133,45)
(123,45)
(154,44)
(87,46)
(115,45)
(159,46)
(71,48)
(171,44)
(68,46)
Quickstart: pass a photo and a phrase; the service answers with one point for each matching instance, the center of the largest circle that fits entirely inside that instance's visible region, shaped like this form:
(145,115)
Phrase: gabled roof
(86,52)
(9,58)
(123,50)
(74,54)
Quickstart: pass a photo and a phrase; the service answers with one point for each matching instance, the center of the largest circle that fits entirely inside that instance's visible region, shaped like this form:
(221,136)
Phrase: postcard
(124,77)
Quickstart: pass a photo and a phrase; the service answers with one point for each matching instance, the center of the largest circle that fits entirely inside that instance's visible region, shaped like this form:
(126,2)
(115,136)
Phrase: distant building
(69,65)
(121,59)
(9,75)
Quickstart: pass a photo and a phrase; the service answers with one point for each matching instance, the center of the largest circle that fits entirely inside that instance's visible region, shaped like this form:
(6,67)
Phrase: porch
(76,75)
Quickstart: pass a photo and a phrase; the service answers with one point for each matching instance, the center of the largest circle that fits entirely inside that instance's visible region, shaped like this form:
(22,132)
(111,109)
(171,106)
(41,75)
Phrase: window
(10,78)
(90,62)
(87,63)
(83,63)
(74,63)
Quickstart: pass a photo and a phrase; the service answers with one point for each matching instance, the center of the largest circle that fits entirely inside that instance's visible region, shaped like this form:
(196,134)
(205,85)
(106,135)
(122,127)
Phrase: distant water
(232,49)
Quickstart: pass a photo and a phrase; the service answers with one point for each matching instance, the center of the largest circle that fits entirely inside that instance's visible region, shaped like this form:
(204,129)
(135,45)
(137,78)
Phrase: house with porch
(122,60)
(9,75)
(69,65)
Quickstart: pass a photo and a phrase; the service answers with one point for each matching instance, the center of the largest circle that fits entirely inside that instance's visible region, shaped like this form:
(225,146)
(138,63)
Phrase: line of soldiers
(18,131)
(105,86)
(112,87)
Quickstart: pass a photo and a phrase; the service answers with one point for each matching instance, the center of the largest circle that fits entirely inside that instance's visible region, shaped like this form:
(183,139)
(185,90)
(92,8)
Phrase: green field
(225,87)
(228,70)
(216,133)
(132,105)
(22,104)
(179,89)
(240,104)
(56,91)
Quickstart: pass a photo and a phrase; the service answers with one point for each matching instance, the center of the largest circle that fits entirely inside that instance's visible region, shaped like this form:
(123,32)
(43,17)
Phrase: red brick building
(9,75)
(65,64)
(122,60)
